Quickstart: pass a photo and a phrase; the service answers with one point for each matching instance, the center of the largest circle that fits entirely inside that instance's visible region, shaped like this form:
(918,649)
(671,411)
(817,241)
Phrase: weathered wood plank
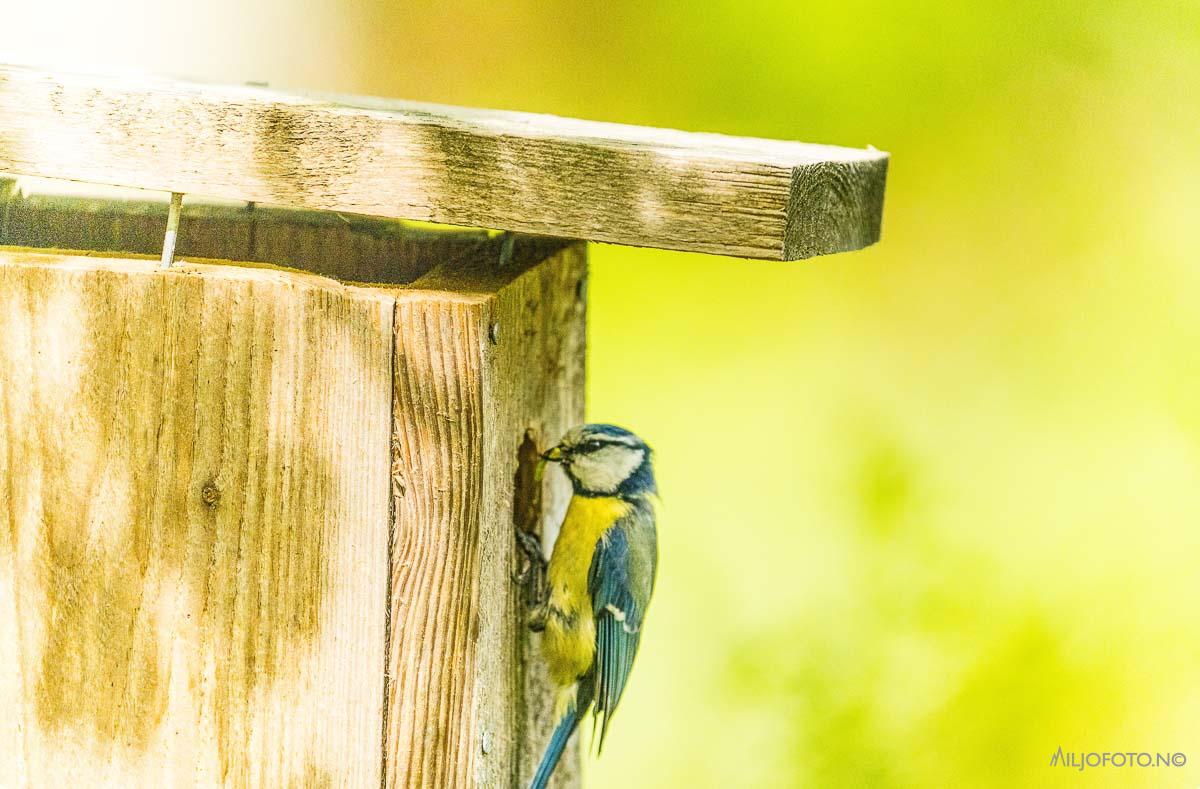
(511,171)
(537,383)
(194,467)
(489,365)
(194,514)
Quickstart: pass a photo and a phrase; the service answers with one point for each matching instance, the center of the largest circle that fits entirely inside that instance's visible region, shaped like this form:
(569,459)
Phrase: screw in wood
(168,252)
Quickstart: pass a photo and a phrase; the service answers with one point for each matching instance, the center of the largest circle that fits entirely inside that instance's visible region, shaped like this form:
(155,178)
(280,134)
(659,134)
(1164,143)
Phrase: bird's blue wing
(620,582)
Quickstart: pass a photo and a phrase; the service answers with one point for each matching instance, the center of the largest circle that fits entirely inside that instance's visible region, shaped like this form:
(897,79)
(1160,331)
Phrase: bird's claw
(531,546)
(532,574)
(537,618)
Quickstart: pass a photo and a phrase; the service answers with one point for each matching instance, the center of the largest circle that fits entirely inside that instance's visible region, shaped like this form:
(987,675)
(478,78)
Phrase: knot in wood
(210,494)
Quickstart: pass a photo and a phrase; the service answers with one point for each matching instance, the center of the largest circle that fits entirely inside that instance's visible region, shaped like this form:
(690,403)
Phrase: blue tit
(599,579)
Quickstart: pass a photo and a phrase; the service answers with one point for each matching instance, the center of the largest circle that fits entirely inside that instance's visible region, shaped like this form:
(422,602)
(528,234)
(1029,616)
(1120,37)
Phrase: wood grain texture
(256,527)
(489,365)
(537,384)
(512,171)
(193,525)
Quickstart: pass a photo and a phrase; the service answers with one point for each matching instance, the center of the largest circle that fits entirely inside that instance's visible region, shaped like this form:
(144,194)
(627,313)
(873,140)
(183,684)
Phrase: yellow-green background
(930,510)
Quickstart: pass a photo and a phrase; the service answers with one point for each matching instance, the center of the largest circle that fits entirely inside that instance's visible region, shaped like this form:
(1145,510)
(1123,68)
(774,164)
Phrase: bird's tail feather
(562,733)
(554,751)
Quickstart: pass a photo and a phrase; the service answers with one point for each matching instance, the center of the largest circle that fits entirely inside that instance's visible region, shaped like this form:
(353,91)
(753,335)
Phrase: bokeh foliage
(930,510)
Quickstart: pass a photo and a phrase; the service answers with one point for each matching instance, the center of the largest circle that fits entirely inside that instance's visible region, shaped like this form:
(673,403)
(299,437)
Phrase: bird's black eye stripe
(591,445)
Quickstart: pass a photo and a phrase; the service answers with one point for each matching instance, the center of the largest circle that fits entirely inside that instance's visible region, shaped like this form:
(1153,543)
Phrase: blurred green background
(930,511)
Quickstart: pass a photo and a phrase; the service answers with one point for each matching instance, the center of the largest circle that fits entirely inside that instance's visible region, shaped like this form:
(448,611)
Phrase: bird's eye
(591,446)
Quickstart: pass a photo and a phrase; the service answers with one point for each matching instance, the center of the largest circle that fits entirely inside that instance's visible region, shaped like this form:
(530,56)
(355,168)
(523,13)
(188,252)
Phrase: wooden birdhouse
(263,448)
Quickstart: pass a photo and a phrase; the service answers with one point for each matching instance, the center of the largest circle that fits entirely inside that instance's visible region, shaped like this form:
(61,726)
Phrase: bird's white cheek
(606,469)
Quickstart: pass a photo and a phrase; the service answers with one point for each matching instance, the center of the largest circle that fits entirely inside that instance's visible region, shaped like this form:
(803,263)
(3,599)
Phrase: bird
(599,579)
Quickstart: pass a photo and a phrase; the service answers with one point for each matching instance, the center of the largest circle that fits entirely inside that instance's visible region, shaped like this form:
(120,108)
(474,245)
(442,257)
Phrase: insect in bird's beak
(552,455)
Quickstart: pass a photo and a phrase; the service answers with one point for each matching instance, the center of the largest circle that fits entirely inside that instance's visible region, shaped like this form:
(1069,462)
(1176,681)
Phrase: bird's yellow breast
(586,519)
(570,638)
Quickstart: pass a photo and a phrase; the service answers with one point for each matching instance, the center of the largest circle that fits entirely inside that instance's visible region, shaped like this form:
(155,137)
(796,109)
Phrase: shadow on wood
(259,522)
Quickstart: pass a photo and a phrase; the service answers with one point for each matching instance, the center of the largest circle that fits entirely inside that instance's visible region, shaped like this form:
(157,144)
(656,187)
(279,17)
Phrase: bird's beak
(552,455)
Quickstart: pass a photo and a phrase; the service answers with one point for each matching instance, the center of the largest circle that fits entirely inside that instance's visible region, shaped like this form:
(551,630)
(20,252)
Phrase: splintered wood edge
(472,278)
(126,263)
(514,171)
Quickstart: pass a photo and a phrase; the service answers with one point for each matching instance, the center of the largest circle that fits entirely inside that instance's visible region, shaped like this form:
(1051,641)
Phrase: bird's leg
(530,545)
(537,617)
(532,576)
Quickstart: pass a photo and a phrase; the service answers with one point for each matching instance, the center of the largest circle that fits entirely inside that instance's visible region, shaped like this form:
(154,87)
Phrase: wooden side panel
(535,393)
(193,525)
(437,487)
(489,365)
